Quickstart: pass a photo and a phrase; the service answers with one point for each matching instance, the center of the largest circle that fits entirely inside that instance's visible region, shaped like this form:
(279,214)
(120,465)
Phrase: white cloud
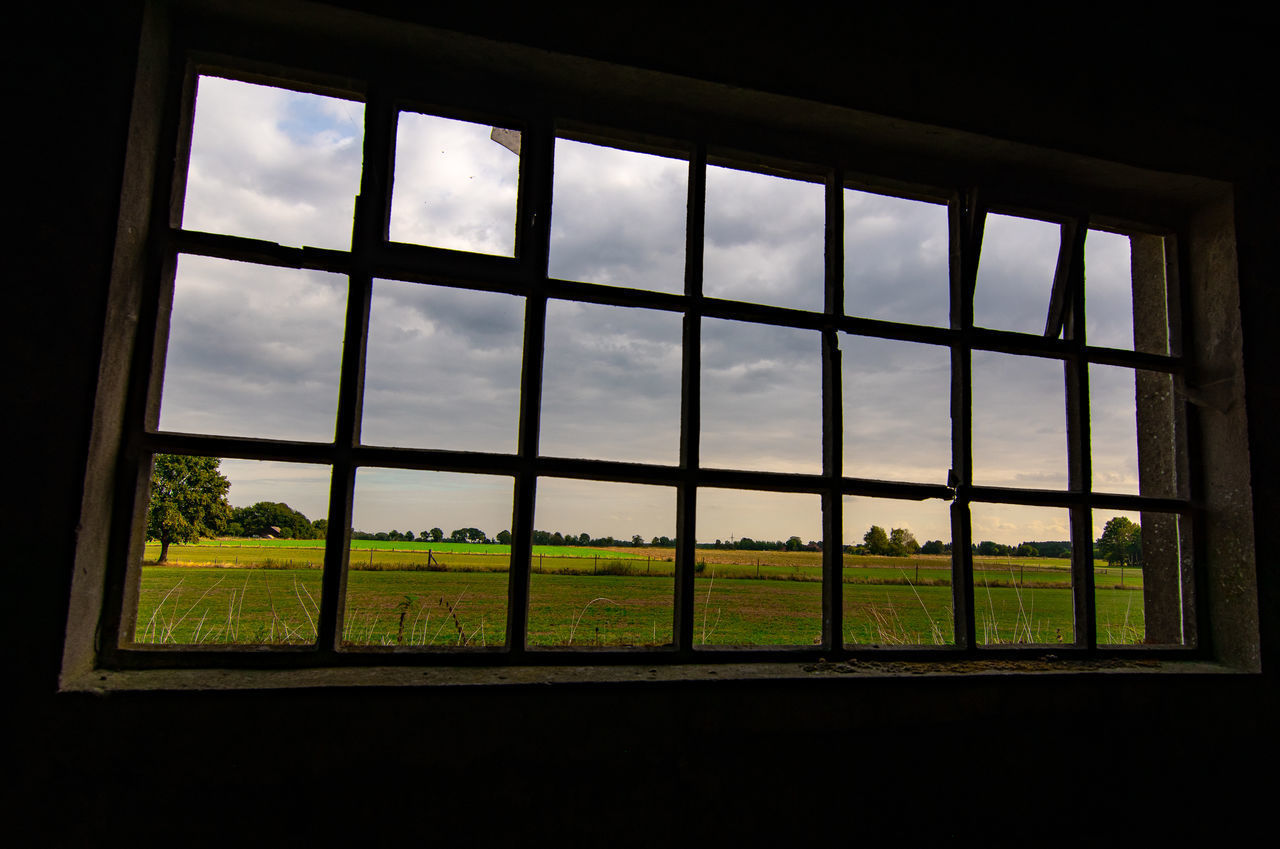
(253,350)
(1015,273)
(454,187)
(273,164)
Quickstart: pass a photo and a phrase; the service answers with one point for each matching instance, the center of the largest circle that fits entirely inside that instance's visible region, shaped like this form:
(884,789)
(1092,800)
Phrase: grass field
(586,597)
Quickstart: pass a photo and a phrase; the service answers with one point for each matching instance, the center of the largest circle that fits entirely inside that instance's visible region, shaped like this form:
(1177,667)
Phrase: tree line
(189,501)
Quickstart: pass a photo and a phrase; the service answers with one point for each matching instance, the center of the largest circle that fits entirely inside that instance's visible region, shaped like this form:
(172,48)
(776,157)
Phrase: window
(375,299)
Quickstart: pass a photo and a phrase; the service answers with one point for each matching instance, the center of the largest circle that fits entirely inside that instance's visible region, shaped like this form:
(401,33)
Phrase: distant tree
(188,500)
(1026,549)
(504,537)
(1121,542)
(459,535)
(275,518)
(876,540)
(902,542)
(637,540)
(436,534)
(794,543)
(933,546)
(408,535)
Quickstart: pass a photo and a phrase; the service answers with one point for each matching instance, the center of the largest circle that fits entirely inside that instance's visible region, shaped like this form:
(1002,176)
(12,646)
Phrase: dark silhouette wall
(1019,758)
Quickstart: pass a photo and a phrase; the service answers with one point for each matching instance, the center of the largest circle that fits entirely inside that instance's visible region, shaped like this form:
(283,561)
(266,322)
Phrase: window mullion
(1079,466)
(690,403)
(966,243)
(368,231)
(534,240)
(833,423)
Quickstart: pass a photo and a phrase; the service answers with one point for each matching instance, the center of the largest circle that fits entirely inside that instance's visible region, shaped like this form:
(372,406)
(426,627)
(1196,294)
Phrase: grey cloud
(253,350)
(443,368)
(611,383)
(618,217)
(1019,421)
(1015,273)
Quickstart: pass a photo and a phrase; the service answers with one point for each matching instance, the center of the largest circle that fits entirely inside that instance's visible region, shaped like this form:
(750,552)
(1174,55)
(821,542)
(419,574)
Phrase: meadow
(246,592)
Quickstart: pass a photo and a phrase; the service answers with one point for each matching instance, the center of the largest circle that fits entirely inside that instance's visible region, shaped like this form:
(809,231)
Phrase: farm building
(1000,753)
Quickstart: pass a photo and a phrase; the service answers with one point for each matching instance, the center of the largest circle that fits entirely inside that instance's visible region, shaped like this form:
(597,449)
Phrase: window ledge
(107,681)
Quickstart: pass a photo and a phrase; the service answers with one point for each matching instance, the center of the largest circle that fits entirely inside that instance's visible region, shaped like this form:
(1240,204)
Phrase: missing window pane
(455,185)
(605,576)
(618,217)
(233,555)
(897,409)
(1131,429)
(758,574)
(1142,587)
(273,164)
(1015,273)
(1108,290)
(761,397)
(443,368)
(253,350)
(611,383)
(1022,575)
(1019,421)
(896,259)
(428,567)
(774,258)
(897,573)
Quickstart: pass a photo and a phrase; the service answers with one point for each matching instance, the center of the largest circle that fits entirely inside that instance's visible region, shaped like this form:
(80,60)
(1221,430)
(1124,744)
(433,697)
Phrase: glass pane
(1019,421)
(594,581)
(455,185)
(1022,575)
(1113,429)
(618,217)
(897,409)
(896,259)
(1108,283)
(764,239)
(611,383)
(421,573)
(234,552)
(761,397)
(443,368)
(1132,431)
(273,164)
(758,576)
(253,350)
(1141,578)
(897,572)
(1117,577)
(1015,273)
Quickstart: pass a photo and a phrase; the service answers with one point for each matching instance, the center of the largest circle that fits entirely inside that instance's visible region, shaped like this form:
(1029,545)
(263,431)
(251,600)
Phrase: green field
(397,597)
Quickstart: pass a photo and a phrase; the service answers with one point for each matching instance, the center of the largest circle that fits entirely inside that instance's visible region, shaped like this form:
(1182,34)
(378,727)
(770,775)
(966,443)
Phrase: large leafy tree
(265,517)
(902,542)
(188,500)
(876,540)
(1121,542)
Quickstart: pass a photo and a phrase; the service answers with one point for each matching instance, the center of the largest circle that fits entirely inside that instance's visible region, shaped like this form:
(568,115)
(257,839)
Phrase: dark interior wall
(1018,758)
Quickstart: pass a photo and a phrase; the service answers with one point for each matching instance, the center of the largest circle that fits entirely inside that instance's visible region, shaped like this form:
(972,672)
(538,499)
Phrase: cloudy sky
(255,351)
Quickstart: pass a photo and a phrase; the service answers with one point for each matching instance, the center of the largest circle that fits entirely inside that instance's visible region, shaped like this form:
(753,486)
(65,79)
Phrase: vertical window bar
(966,218)
(833,424)
(534,236)
(369,229)
(690,403)
(1079,465)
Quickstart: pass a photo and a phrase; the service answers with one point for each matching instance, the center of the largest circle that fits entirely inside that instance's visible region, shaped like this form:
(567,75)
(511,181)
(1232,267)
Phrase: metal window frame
(373,256)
